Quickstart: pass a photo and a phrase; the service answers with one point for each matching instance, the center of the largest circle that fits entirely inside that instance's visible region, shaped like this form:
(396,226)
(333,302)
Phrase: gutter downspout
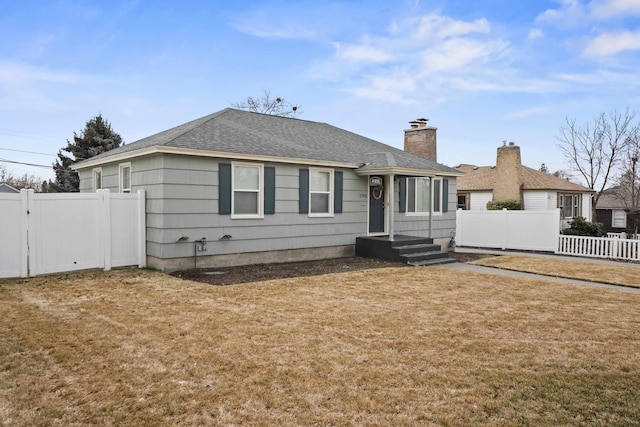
(391,206)
(430,206)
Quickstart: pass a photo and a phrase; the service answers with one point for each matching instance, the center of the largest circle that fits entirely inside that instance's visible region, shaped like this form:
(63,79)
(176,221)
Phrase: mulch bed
(260,272)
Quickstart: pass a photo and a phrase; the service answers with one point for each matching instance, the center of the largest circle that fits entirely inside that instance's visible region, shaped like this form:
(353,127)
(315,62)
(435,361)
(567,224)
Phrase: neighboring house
(616,212)
(509,179)
(6,188)
(237,187)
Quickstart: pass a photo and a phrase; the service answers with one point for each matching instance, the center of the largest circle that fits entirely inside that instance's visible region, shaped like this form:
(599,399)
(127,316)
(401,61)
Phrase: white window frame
(576,208)
(95,172)
(121,168)
(433,183)
(330,213)
(615,222)
(260,191)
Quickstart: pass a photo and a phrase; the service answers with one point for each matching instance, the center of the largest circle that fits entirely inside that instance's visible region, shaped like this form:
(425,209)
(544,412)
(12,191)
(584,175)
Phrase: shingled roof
(482,178)
(231,133)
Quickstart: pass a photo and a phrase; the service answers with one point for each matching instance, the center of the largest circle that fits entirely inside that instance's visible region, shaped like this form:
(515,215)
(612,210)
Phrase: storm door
(376,205)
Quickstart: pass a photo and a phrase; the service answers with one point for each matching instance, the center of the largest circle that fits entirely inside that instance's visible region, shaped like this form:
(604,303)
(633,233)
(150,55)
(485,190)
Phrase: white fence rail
(623,236)
(51,233)
(523,230)
(599,247)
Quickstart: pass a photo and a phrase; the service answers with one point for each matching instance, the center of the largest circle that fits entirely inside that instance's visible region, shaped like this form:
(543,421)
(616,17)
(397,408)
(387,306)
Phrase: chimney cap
(422,120)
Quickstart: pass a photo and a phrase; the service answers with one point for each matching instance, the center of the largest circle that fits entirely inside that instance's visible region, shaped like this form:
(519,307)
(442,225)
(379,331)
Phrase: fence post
(459,232)
(142,229)
(505,228)
(32,231)
(24,233)
(105,209)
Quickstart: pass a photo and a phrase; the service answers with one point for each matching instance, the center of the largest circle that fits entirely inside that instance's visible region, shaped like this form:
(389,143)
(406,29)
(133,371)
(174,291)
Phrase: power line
(26,164)
(29,152)
(23,134)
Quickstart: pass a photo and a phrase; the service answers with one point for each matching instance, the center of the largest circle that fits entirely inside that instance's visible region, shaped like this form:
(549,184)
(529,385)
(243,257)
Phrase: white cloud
(399,87)
(362,53)
(15,74)
(263,29)
(574,13)
(604,9)
(458,54)
(609,44)
(570,14)
(535,34)
(434,27)
(419,56)
(530,112)
(27,86)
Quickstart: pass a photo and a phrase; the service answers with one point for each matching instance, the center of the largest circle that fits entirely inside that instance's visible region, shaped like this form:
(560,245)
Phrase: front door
(376,209)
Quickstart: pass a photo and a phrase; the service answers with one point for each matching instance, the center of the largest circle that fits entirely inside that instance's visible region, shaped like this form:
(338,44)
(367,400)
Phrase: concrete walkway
(518,274)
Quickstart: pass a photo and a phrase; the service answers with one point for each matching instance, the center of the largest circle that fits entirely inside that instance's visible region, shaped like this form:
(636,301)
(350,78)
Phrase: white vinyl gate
(55,232)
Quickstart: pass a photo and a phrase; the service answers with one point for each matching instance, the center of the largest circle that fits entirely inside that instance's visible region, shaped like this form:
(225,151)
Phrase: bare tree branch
(595,149)
(265,104)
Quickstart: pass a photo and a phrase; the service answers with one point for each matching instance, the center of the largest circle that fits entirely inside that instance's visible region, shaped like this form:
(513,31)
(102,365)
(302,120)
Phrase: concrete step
(410,249)
(433,262)
(424,256)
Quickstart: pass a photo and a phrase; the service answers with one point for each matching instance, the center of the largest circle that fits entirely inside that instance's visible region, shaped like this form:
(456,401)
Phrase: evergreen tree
(96,138)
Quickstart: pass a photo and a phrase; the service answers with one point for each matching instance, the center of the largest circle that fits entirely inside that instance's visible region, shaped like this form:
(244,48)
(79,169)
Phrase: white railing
(599,247)
(623,236)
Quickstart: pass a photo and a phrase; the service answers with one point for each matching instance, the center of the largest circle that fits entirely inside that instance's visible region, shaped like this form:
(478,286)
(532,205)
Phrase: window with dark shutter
(269,190)
(224,188)
(337,190)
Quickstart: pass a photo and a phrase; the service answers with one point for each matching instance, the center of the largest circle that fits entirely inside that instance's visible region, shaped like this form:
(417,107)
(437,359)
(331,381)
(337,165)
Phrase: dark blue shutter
(224,188)
(303,191)
(337,189)
(403,194)
(269,190)
(445,195)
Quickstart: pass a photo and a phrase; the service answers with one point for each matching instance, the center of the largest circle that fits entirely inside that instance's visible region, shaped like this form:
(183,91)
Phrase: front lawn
(391,346)
(618,273)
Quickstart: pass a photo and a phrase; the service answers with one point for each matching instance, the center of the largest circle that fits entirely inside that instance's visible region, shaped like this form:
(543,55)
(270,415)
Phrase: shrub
(510,204)
(581,227)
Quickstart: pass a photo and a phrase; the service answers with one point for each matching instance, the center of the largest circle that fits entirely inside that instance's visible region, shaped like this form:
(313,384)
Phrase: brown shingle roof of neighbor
(482,178)
(612,198)
(239,132)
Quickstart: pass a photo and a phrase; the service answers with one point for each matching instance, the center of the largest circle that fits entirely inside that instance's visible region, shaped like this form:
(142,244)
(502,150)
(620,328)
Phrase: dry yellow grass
(396,346)
(616,274)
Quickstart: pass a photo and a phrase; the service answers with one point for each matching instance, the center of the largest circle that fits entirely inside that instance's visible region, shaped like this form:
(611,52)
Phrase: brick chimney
(420,140)
(508,173)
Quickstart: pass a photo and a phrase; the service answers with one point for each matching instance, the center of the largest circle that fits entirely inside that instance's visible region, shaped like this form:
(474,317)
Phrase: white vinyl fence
(57,232)
(537,231)
(504,229)
(623,236)
(600,247)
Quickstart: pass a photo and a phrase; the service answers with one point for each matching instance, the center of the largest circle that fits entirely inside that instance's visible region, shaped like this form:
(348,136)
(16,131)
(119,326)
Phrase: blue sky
(482,71)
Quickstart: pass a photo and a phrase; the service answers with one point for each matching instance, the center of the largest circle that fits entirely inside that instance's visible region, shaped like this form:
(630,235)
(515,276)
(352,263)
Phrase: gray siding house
(238,187)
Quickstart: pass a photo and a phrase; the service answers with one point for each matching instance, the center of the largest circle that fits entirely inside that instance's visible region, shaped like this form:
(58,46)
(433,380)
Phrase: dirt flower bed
(259,272)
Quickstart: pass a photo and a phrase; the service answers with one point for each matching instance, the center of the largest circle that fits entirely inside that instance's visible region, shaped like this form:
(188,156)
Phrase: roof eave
(90,163)
(404,171)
